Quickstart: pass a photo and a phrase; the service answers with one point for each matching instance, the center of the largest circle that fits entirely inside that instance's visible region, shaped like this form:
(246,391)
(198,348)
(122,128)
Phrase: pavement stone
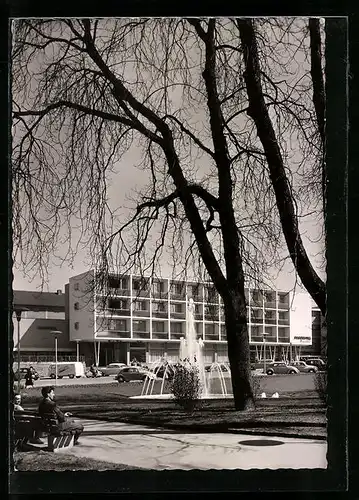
(151,448)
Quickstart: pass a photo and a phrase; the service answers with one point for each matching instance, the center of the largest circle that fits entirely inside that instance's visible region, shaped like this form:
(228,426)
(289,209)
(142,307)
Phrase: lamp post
(56,333)
(77,350)
(264,349)
(18,312)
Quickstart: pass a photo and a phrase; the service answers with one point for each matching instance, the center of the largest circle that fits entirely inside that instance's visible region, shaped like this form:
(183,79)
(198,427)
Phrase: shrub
(186,386)
(320,382)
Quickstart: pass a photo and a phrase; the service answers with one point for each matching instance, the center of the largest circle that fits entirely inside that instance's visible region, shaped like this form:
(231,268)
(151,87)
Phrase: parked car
(303,367)
(319,363)
(160,372)
(112,368)
(259,365)
(130,373)
(23,372)
(280,367)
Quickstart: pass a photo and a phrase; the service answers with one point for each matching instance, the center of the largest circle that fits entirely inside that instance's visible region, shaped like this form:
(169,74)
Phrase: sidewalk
(151,448)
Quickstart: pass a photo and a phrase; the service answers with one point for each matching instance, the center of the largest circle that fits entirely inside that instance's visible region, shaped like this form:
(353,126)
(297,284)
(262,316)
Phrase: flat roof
(39,300)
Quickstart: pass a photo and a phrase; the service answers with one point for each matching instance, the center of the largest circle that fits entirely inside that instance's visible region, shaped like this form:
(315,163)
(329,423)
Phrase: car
(281,367)
(161,370)
(303,367)
(23,372)
(130,373)
(112,368)
(319,363)
(259,365)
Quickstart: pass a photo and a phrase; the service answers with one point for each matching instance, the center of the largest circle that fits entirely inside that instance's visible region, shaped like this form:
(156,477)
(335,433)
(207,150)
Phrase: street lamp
(264,349)
(77,350)
(18,312)
(56,333)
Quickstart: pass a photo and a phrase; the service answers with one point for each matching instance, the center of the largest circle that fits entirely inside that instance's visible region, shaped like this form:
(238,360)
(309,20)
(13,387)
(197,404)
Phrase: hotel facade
(138,317)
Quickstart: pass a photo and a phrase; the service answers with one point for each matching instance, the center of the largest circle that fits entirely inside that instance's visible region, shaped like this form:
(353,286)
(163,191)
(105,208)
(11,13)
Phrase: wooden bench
(29,425)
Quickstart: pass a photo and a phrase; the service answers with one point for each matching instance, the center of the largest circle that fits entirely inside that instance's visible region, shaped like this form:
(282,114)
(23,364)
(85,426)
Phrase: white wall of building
(301,319)
(82,293)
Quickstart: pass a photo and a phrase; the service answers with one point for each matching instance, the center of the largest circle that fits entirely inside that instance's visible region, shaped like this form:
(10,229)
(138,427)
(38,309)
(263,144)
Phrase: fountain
(191,353)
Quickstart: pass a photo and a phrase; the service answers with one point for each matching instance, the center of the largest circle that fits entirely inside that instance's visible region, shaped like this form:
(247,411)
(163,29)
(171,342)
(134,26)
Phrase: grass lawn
(291,414)
(47,461)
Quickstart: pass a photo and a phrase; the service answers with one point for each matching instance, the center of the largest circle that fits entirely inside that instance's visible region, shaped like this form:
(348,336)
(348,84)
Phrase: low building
(140,317)
(41,313)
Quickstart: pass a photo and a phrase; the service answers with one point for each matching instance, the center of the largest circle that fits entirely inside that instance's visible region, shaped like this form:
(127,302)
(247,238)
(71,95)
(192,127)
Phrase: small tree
(186,386)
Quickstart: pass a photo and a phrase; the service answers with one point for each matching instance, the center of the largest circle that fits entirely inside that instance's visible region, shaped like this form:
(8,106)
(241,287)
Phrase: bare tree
(258,111)
(89,94)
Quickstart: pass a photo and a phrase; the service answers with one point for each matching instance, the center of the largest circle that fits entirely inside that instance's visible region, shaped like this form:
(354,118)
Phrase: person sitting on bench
(17,403)
(48,408)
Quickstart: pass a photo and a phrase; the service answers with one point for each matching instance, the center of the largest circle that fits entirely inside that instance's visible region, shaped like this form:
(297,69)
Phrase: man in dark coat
(48,408)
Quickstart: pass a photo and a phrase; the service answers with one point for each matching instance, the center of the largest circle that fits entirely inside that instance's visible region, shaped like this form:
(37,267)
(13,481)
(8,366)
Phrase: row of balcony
(178,335)
(210,316)
(202,295)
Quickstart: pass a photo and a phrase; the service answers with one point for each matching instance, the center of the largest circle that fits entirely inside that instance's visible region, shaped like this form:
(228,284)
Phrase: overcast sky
(119,187)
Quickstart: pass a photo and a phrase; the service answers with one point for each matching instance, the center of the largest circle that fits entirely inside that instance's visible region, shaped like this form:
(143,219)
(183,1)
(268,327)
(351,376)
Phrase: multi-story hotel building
(145,318)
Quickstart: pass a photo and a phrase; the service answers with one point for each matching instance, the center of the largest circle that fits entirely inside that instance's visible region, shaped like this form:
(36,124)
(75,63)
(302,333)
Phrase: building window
(159,287)
(76,286)
(123,284)
(283,298)
(77,325)
(193,291)
(209,329)
(139,326)
(117,325)
(269,296)
(158,326)
(177,288)
(176,327)
(159,307)
(177,308)
(76,306)
(211,294)
(140,305)
(139,284)
(270,317)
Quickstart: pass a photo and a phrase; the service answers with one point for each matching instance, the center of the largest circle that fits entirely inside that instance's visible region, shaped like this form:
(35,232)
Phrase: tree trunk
(238,350)
(258,111)
(316,72)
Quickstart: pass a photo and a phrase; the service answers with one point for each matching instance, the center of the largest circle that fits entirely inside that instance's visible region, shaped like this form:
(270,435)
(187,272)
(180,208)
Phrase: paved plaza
(150,448)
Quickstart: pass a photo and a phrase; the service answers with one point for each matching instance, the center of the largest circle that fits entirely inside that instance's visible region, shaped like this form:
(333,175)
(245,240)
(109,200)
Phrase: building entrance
(137,352)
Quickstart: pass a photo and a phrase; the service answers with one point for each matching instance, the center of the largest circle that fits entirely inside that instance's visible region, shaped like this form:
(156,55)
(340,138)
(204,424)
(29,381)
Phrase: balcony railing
(177,335)
(114,333)
(160,335)
(283,321)
(270,304)
(178,296)
(178,315)
(211,336)
(141,313)
(119,292)
(160,314)
(270,321)
(141,335)
(117,312)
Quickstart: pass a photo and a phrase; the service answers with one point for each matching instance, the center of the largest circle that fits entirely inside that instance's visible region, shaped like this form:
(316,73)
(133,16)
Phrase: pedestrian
(48,408)
(29,379)
(17,403)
